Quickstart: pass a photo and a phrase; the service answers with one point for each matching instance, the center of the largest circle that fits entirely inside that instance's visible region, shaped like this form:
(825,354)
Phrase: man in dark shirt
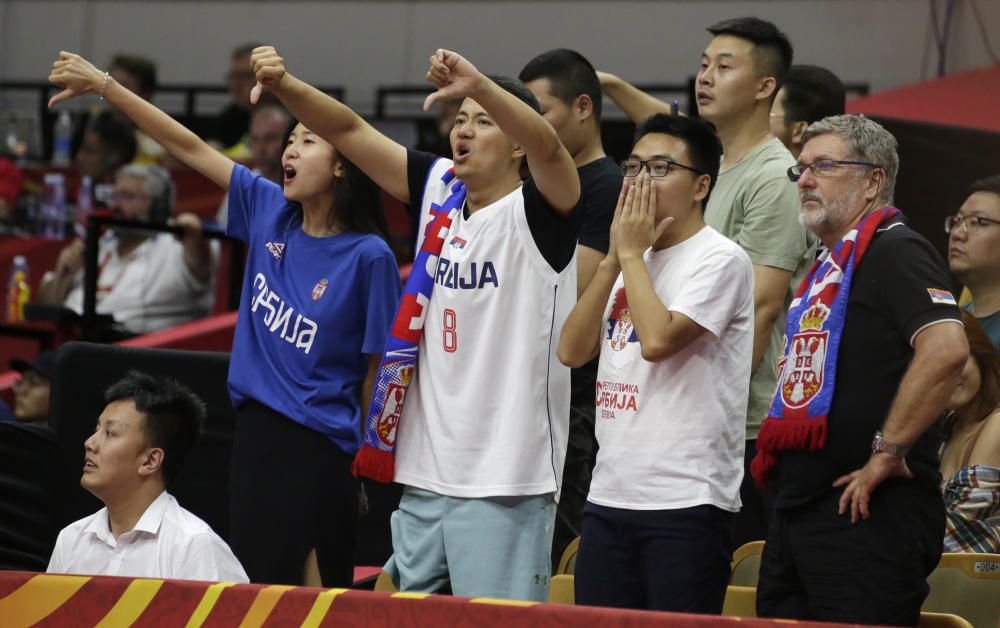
(569,94)
(809,94)
(859,521)
(233,121)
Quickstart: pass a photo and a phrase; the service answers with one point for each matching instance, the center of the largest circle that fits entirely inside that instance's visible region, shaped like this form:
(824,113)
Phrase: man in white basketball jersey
(670,311)
(482,436)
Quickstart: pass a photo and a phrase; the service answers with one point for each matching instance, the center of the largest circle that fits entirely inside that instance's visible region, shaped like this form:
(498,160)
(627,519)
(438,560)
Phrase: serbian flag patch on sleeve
(941,296)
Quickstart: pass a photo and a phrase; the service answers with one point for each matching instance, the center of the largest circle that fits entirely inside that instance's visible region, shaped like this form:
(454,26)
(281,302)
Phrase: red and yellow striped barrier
(28,599)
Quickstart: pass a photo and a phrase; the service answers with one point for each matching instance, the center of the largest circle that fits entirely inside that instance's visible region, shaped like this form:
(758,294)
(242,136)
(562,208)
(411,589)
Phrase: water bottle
(18,289)
(52,214)
(84,206)
(62,140)
(11,142)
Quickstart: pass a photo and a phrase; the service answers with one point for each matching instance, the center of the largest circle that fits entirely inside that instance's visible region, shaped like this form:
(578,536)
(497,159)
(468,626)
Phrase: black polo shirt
(891,300)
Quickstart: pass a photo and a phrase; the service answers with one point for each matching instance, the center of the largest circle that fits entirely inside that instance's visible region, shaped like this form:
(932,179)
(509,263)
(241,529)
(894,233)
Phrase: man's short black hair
(142,68)
(244,50)
(174,415)
(812,93)
(699,137)
(516,87)
(772,50)
(570,75)
(115,136)
(986,184)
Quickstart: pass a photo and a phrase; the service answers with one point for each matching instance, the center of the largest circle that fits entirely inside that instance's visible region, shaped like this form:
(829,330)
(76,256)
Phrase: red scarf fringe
(375,464)
(808,434)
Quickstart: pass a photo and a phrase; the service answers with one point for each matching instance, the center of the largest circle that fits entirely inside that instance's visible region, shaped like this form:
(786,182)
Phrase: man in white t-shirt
(670,311)
(139,445)
(482,434)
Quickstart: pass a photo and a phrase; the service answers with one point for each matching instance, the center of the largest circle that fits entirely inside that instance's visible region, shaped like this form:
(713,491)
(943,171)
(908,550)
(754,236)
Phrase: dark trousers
(291,490)
(667,560)
(817,565)
(750,523)
(581,451)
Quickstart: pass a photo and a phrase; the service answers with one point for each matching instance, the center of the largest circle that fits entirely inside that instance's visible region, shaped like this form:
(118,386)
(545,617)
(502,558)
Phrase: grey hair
(157,181)
(867,140)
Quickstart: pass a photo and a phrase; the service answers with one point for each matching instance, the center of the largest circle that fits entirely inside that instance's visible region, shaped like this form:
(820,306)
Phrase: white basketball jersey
(488,411)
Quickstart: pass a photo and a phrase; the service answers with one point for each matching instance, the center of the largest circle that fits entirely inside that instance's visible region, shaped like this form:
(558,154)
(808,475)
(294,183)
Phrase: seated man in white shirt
(148,281)
(141,440)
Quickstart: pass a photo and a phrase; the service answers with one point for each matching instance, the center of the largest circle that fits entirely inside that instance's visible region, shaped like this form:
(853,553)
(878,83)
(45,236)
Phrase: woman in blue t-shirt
(319,292)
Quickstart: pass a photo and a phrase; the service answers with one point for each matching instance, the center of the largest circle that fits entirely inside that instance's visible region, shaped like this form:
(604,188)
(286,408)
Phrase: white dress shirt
(167,542)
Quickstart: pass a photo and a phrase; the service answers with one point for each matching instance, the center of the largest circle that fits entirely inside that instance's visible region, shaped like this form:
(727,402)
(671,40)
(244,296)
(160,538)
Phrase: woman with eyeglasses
(319,292)
(970,461)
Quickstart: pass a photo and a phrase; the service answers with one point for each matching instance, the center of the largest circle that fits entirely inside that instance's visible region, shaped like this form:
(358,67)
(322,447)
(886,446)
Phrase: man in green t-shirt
(753,203)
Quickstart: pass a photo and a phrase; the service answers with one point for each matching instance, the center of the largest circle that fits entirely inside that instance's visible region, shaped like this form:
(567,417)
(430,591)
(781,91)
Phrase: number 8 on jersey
(450,337)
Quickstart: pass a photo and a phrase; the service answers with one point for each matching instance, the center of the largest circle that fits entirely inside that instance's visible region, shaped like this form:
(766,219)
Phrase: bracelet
(104,85)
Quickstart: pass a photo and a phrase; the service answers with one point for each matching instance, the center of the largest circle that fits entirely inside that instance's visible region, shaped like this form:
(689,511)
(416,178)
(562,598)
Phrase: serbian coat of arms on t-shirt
(620,329)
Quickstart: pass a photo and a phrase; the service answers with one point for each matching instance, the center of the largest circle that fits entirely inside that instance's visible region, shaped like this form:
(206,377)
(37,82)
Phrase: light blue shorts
(487,547)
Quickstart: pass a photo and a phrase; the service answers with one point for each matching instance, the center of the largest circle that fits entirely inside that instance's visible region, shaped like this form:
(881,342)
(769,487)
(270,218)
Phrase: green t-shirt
(755,205)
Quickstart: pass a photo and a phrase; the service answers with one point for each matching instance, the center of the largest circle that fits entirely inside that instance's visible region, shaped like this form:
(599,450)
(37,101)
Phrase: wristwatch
(880,444)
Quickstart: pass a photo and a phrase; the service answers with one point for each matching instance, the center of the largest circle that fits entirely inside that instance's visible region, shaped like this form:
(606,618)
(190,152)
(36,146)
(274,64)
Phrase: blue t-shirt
(311,311)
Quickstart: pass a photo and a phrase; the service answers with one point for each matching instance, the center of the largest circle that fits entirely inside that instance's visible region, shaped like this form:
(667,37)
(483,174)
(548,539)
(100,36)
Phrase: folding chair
(740,601)
(966,584)
(746,564)
(561,589)
(942,620)
(567,564)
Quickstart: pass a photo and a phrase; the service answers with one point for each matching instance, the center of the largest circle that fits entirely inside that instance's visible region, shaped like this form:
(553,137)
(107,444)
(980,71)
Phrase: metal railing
(188,113)
(386,94)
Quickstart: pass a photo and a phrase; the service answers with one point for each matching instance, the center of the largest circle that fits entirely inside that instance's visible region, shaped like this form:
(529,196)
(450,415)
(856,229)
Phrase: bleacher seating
(746,564)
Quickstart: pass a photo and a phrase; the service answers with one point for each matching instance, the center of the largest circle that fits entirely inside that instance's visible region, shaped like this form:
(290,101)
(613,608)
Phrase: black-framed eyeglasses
(825,167)
(656,168)
(967,223)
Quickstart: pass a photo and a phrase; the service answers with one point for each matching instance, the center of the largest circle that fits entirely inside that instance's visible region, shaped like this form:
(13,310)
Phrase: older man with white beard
(872,353)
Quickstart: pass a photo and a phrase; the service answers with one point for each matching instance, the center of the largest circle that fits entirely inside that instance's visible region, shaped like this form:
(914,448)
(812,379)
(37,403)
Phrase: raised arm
(379,157)
(637,104)
(55,286)
(78,76)
(197,251)
(551,165)
(580,339)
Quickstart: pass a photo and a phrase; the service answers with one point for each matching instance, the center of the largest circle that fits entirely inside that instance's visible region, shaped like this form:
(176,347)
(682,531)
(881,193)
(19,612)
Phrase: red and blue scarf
(808,367)
(376,458)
